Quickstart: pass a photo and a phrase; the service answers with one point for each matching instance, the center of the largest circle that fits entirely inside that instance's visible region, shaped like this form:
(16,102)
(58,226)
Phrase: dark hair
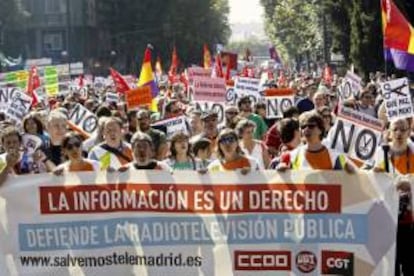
(290,112)
(103,111)
(258,106)
(242,100)
(201,144)
(224,132)
(37,121)
(314,117)
(287,128)
(70,135)
(174,138)
(169,105)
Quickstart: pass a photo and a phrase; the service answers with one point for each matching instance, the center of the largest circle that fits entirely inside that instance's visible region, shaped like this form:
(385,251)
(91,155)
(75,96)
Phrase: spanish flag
(146,77)
(398,36)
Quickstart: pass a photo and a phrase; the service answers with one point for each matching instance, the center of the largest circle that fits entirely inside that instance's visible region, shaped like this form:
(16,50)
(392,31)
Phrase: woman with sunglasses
(72,149)
(230,155)
(313,154)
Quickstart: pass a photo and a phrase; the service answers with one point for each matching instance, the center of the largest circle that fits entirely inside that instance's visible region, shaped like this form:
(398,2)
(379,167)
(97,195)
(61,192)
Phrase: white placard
(398,103)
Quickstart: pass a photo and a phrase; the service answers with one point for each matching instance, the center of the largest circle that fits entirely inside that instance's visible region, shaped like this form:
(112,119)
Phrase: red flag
(218,68)
(206,57)
(32,84)
(81,81)
(120,83)
(174,65)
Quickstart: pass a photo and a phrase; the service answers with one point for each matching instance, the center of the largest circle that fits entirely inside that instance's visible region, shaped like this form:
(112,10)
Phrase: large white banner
(156,223)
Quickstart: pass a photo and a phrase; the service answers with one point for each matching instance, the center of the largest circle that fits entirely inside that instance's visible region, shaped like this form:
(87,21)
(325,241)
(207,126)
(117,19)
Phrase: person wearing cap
(231,117)
(143,152)
(245,108)
(158,138)
(209,121)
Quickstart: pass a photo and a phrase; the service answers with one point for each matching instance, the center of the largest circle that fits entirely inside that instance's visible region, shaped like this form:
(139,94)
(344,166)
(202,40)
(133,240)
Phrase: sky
(245,11)
(246,19)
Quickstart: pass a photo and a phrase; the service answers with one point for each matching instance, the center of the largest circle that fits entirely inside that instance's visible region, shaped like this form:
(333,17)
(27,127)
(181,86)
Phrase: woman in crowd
(251,147)
(32,125)
(327,117)
(180,153)
(72,149)
(230,155)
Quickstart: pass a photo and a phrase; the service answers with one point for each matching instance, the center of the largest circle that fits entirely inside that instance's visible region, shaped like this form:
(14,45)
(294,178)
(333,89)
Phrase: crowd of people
(245,141)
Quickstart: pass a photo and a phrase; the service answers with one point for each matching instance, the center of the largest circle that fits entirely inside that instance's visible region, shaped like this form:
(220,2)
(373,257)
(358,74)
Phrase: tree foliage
(294,24)
(186,24)
(353,28)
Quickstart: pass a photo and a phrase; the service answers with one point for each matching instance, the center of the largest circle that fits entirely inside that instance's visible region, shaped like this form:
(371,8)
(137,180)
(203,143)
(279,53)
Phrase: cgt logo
(306,261)
(337,263)
(262,260)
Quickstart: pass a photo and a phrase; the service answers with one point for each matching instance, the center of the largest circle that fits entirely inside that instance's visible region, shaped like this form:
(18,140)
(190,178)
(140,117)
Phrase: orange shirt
(319,160)
(402,164)
(240,163)
(83,167)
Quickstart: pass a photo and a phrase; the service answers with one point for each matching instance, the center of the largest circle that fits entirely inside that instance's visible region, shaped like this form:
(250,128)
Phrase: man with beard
(246,111)
(143,153)
(159,140)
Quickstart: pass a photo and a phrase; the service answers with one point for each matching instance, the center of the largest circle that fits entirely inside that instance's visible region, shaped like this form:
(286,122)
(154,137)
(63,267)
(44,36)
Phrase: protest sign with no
(278,101)
(398,103)
(214,106)
(19,106)
(356,134)
(83,120)
(351,86)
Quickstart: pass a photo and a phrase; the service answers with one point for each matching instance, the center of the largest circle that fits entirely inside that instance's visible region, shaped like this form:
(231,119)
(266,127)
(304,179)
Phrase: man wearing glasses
(245,108)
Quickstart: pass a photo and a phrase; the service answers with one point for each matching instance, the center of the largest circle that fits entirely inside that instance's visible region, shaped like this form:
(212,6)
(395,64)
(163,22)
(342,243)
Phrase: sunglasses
(70,146)
(247,102)
(232,112)
(227,140)
(399,129)
(310,126)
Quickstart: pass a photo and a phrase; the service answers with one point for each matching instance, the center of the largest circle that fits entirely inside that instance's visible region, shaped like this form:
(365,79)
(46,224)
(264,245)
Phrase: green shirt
(261,127)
